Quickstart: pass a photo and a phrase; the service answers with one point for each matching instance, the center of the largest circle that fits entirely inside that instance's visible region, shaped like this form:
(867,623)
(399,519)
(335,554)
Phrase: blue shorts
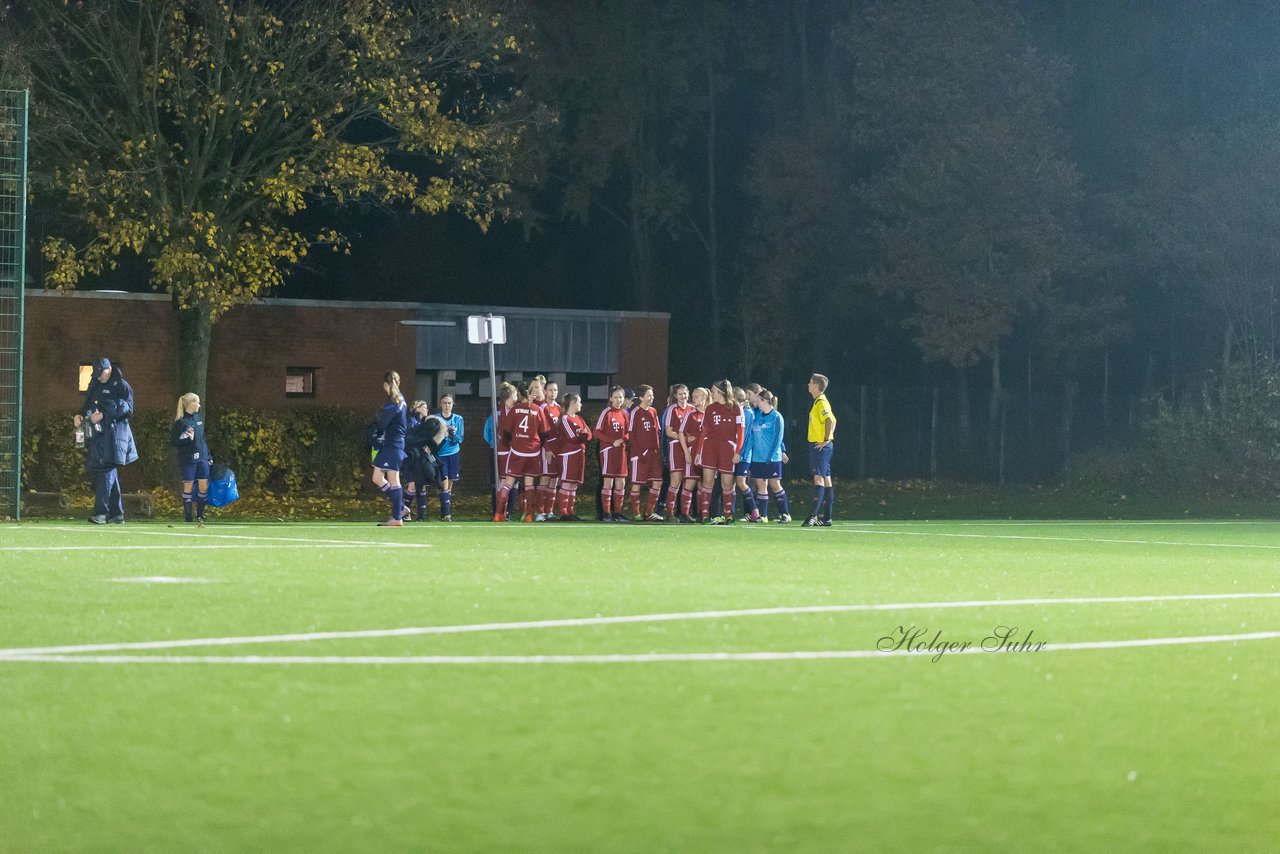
(451,466)
(766,471)
(820,459)
(742,468)
(389,459)
(195,470)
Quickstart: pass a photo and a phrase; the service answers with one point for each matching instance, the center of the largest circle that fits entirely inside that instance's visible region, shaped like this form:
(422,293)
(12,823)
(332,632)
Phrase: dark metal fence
(13,198)
(897,432)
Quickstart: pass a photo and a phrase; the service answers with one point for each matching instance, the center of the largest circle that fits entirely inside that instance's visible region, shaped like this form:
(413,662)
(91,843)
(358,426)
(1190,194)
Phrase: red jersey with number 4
(524,426)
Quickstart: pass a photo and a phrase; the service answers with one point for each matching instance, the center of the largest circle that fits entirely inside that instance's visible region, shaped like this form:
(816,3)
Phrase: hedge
(289,451)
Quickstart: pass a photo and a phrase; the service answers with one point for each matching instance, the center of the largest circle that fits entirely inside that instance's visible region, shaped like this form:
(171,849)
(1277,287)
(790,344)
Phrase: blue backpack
(222,486)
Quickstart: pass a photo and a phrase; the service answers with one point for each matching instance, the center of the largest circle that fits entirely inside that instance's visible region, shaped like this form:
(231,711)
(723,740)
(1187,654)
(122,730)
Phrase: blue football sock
(396,494)
(819,497)
(762,503)
(446,502)
(186,506)
(781,495)
(201,498)
(831,503)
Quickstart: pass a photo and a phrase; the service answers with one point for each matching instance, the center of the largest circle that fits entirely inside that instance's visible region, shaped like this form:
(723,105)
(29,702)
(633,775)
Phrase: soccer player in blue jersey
(392,424)
(187,436)
(767,457)
(450,456)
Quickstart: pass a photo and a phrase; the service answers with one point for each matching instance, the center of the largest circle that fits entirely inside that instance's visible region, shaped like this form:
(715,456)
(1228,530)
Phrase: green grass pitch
(325,704)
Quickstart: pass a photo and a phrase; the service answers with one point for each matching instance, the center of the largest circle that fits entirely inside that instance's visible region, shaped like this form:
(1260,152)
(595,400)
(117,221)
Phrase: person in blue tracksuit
(450,455)
(392,424)
(187,436)
(105,414)
(767,456)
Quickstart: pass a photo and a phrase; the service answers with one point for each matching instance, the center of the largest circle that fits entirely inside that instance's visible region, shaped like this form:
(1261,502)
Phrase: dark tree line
(1057,200)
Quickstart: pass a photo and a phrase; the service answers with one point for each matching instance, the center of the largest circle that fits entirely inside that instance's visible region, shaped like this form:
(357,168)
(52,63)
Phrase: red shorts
(675,456)
(572,466)
(717,454)
(613,461)
(646,467)
(519,465)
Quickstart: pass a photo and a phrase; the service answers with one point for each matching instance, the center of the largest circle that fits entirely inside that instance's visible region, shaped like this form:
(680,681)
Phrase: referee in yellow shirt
(822,432)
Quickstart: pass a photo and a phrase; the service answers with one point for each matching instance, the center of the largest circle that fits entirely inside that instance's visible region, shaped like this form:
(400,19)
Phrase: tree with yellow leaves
(191,132)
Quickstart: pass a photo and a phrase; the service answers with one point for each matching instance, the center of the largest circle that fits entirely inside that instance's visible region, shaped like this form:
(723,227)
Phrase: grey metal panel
(540,343)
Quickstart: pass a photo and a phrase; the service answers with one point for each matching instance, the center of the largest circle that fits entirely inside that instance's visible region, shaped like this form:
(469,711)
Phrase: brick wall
(642,353)
(250,351)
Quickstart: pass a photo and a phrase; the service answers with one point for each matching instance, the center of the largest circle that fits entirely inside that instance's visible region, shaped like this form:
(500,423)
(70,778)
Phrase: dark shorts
(820,459)
(198,470)
(743,468)
(389,459)
(451,466)
(766,471)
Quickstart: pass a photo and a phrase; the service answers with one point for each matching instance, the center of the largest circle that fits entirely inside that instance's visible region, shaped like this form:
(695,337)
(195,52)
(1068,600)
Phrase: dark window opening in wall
(300,382)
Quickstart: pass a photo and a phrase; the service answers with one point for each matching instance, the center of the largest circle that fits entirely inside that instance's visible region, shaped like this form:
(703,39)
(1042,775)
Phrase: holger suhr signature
(917,639)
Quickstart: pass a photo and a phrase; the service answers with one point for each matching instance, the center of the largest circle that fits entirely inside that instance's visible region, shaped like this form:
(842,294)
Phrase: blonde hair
(700,393)
(740,395)
(182,404)
(820,381)
(392,379)
(418,403)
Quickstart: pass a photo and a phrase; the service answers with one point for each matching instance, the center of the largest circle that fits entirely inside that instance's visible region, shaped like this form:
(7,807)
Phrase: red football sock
(704,501)
(504,493)
(635,501)
(655,492)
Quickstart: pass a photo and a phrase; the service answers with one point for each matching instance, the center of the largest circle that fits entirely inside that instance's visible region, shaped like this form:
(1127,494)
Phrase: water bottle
(80,435)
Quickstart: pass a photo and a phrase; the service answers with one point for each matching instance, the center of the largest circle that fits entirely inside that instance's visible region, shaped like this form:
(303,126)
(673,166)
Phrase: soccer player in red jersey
(720,448)
(677,408)
(645,444)
(524,425)
(547,485)
(506,400)
(690,435)
(611,430)
(569,446)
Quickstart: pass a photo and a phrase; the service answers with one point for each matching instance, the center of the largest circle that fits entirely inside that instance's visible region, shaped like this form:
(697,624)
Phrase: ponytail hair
(392,380)
(182,404)
(673,391)
(766,396)
(569,397)
(724,387)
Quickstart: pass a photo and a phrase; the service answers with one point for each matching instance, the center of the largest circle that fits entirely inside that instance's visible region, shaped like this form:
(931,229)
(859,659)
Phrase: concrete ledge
(139,504)
(47,502)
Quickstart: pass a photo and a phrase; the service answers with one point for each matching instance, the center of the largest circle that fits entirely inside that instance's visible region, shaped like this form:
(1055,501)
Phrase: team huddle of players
(722,433)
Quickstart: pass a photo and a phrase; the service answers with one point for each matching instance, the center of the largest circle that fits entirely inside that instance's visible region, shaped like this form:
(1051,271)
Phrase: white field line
(299,544)
(641,658)
(208,536)
(1044,537)
(607,621)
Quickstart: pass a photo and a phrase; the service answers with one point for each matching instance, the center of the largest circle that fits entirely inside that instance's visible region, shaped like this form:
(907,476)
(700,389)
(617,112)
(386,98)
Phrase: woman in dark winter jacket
(105,414)
(187,435)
